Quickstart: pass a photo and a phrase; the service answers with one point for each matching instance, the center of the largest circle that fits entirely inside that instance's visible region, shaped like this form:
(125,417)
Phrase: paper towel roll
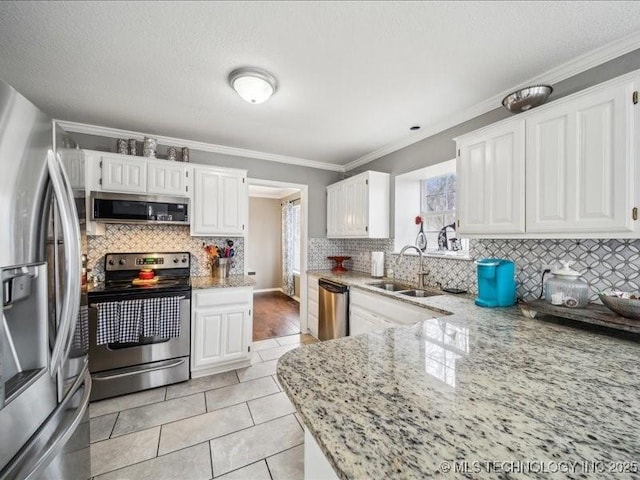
(377,264)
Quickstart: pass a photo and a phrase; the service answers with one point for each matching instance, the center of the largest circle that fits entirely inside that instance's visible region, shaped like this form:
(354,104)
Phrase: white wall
(265,242)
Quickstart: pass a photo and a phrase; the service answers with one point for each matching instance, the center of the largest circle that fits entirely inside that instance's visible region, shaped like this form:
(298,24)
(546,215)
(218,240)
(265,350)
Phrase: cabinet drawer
(223,296)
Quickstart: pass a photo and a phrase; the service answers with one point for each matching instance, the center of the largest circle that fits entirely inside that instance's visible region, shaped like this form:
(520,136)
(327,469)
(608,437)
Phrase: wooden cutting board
(142,281)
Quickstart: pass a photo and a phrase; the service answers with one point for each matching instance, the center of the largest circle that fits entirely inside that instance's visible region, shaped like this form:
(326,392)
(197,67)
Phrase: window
(297,236)
(431,193)
(438,211)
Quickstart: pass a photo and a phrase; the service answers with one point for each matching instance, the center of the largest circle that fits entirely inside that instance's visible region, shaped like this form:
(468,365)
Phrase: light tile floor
(234,425)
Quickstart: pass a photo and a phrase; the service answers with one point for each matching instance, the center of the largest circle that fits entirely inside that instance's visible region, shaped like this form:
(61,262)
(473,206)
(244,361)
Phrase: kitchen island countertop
(479,385)
(229,282)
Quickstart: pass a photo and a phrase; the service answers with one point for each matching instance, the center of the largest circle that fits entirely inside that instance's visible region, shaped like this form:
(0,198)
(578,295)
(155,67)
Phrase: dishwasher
(333,311)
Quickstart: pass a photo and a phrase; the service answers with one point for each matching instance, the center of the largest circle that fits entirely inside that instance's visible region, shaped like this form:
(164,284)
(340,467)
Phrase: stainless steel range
(118,367)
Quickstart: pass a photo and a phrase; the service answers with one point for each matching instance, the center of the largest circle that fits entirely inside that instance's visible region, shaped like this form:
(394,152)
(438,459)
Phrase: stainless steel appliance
(128,208)
(333,310)
(119,368)
(44,426)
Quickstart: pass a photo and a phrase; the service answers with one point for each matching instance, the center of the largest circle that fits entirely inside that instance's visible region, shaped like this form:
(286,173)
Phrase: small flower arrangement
(214,251)
(419,220)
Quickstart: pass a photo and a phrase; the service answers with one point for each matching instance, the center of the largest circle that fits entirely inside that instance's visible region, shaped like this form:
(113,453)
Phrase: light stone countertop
(478,385)
(228,282)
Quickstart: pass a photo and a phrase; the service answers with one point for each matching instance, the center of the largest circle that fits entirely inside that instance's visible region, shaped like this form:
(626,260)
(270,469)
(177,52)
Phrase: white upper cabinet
(490,174)
(580,164)
(167,178)
(140,175)
(121,173)
(358,207)
(220,202)
(563,170)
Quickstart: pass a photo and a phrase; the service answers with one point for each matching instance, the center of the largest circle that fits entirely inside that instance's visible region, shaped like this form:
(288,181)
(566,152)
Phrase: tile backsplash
(603,263)
(120,238)
(358,249)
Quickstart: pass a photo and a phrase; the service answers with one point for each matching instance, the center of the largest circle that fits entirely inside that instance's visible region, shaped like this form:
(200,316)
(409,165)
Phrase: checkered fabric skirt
(128,320)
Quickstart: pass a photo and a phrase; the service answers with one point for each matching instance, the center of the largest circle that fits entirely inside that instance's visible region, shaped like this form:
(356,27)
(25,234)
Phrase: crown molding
(194,145)
(557,74)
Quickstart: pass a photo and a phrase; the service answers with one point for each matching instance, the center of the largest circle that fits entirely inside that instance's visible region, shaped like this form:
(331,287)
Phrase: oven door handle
(107,376)
(95,305)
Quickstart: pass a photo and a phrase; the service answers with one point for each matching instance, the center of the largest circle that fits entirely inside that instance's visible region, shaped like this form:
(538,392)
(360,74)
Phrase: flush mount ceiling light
(253,84)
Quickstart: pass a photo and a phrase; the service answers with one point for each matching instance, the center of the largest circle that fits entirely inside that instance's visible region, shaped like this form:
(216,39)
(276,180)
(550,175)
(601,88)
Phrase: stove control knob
(175,260)
(184,259)
(112,262)
(122,261)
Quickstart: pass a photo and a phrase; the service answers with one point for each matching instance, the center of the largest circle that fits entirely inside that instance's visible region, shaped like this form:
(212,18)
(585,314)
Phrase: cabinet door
(232,201)
(490,175)
(206,190)
(222,334)
(166,179)
(335,209)
(219,202)
(359,207)
(312,305)
(123,174)
(579,164)
(236,333)
(361,321)
(208,337)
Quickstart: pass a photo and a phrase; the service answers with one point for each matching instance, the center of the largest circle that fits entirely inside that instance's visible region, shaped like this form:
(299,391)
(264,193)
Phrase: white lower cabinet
(222,329)
(370,311)
(312,305)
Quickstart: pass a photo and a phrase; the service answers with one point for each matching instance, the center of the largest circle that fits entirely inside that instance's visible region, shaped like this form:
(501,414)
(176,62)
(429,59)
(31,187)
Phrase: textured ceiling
(353,76)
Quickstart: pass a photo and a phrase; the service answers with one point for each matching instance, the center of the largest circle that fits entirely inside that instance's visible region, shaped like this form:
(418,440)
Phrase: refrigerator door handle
(71,234)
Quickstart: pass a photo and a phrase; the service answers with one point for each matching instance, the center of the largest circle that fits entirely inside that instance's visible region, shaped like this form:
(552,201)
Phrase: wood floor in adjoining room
(274,315)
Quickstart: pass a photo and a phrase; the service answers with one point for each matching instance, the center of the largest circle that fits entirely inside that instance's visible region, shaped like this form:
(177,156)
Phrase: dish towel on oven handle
(161,317)
(119,322)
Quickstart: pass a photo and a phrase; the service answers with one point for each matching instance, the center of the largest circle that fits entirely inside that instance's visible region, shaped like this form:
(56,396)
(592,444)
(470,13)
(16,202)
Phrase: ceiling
(353,76)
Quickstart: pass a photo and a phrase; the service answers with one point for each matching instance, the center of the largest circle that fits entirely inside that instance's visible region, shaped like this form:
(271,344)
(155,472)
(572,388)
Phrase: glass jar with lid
(567,288)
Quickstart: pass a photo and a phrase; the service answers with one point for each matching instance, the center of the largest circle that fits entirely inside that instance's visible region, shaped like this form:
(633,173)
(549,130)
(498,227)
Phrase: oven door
(147,350)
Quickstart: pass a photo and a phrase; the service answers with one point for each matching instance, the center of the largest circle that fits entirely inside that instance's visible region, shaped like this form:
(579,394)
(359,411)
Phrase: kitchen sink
(389,286)
(418,293)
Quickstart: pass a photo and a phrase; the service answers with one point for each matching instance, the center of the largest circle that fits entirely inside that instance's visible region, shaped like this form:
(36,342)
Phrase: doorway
(276,257)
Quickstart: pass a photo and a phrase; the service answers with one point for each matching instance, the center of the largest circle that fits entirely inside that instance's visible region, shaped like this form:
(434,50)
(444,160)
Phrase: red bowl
(146,274)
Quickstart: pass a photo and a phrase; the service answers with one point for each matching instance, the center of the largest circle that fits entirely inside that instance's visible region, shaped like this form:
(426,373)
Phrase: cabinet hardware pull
(458,222)
(635,97)
(634,213)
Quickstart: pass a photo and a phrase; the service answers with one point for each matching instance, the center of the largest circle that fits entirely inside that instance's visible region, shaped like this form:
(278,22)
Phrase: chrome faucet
(423,273)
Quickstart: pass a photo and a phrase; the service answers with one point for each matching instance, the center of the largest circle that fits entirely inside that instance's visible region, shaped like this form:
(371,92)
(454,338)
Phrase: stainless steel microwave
(128,208)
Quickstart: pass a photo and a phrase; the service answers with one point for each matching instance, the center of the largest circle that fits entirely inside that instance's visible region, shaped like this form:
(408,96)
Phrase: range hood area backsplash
(157,238)
(603,263)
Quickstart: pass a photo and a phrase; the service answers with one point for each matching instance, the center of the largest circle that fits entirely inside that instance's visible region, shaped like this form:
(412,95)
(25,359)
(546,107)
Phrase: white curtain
(288,239)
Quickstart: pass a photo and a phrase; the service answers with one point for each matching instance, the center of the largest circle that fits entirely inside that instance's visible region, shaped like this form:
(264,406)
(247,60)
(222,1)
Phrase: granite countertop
(477,385)
(228,282)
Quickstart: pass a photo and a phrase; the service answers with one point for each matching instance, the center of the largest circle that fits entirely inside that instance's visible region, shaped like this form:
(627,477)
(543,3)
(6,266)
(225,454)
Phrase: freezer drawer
(60,448)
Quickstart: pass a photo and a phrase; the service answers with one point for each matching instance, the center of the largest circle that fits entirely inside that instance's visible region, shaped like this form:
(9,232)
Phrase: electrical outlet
(547,266)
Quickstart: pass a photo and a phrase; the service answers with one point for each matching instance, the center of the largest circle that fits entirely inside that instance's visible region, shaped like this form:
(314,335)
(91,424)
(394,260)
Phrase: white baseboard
(262,290)
(296,298)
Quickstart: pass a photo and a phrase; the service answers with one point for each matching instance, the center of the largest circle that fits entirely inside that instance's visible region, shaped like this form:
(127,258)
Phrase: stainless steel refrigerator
(44,379)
